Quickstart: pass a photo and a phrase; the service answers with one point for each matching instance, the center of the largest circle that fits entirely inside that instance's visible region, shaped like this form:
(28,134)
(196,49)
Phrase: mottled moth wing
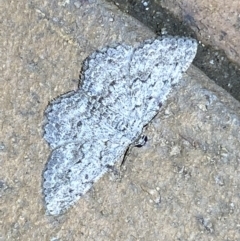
(91,128)
(106,78)
(73,168)
(76,117)
(155,66)
(86,138)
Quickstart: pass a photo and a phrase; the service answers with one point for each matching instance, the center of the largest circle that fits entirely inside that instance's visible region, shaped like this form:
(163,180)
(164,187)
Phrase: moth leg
(141,141)
(125,156)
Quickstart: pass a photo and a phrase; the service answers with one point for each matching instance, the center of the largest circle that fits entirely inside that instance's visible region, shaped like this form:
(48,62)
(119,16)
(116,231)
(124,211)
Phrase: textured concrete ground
(183,185)
(215,22)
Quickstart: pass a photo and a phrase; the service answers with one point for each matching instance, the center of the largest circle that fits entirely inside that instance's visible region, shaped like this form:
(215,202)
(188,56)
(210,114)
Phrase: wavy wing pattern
(90,129)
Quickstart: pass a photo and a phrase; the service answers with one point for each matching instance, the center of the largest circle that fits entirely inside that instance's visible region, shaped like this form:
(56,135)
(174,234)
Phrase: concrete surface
(216,23)
(182,185)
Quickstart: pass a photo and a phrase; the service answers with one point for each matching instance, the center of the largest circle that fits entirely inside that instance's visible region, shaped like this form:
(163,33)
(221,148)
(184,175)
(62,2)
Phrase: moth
(121,89)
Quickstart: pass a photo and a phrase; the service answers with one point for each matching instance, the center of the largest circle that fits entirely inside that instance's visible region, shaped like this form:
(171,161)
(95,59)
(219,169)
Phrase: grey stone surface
(182,185)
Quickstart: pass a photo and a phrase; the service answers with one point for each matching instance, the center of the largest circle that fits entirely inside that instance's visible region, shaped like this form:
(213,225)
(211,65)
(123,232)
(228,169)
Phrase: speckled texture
(121,90)
(183,184)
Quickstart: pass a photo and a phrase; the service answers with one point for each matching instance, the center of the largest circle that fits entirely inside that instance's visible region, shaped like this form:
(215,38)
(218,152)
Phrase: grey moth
(121,89)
